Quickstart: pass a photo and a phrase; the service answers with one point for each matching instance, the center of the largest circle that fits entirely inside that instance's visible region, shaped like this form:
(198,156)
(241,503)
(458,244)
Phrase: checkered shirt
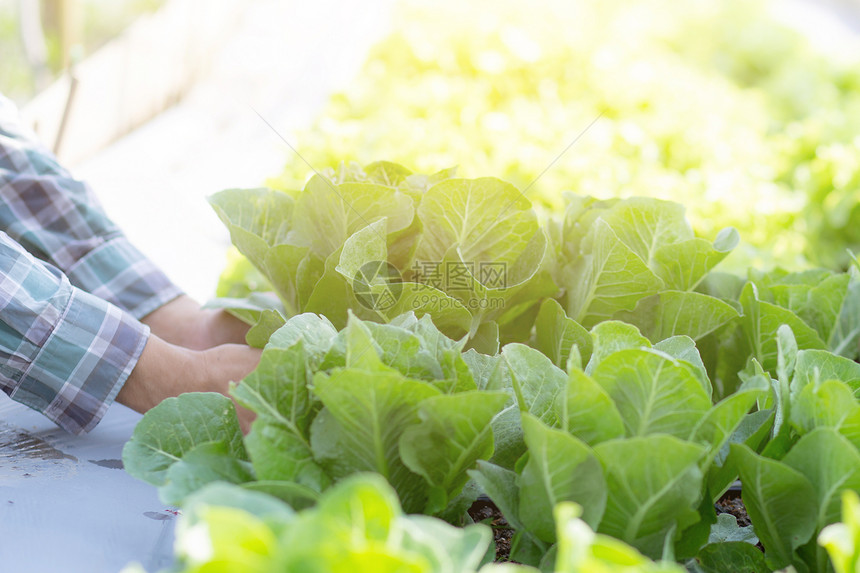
(72,287)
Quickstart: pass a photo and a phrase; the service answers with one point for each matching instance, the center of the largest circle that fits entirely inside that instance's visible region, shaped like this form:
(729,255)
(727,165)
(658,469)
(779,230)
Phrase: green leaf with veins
(829,404)
(646,225)
(654,485)
(277,389)
(538,383)
(780,501)
(556,334)
(174,427)
(588,412)
(453,434)
(653,392)
(279,454)
(487,219)
(831,464)
(672,313)
(327,214)
(607,278)
(204,463)
(360,427)
(610,337)
(559,468)
(814,366)
(684,348)
(760,322)
(683,265)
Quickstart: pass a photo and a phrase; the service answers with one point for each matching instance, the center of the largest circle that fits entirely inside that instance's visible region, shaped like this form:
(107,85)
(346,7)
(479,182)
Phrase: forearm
(63,351)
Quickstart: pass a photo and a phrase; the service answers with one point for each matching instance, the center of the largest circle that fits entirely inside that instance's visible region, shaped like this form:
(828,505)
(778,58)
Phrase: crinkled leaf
(360,427)
(453,434)
(727,530)
(735,556)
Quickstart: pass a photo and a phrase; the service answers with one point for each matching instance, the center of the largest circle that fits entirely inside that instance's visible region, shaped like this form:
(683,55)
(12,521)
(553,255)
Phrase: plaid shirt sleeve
(58,219)
(63,351)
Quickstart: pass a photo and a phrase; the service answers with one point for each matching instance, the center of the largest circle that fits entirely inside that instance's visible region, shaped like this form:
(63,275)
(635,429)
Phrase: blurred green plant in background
(721,106)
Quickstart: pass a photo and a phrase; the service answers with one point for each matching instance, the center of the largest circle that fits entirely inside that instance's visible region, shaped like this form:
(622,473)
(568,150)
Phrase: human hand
(185,323)
(165,370)
(231,363)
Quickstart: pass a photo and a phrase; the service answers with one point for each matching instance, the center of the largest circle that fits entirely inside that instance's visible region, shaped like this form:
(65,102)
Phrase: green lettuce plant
(792,490)
(358,525)
(632,436)
(399,399)
(842,540)
(381,241)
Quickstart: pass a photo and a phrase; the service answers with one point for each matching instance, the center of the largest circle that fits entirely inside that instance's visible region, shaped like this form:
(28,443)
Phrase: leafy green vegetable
(398,399)
(160,440)
(358,525)
(467,252)
(842,539)
(639,432)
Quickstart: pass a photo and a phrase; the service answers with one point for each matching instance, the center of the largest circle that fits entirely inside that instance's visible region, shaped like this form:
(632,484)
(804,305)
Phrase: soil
(731,503)
(485,511)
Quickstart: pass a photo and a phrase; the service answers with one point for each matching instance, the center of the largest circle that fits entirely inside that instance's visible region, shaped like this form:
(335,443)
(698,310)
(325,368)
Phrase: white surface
(71,514)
